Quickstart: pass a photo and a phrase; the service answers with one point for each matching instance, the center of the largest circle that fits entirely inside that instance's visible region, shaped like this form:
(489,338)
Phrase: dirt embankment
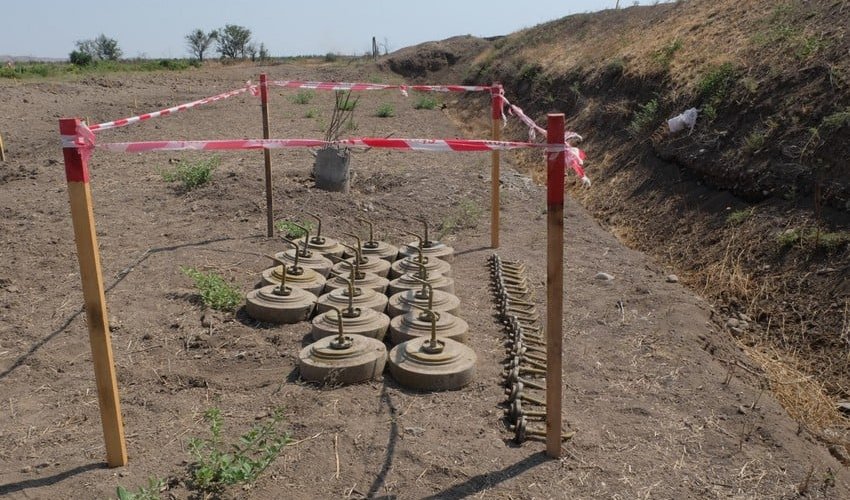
(752,206)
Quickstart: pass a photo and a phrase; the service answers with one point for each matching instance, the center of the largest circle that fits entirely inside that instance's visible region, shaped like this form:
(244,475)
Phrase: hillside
(751,208)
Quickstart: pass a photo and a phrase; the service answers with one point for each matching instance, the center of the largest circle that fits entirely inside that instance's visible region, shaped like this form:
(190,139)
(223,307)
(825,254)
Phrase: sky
(157,28)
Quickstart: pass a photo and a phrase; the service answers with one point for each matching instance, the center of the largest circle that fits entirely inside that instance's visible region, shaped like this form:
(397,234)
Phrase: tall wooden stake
(2,150)
(264,100)
(495,188)
(82,217)
(554,282)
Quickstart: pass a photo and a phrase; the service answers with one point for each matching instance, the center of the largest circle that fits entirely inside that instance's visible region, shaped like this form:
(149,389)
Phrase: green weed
(291,230)
(303,97)
(754,141)
(191,174)
(643,118)
(836,120)
(714,87)
(466,216)
(149,492)
(664,55)
(311,113)
(219,464)
(425,102)
(385,111)
(215,292)
(738,217)
(814,237)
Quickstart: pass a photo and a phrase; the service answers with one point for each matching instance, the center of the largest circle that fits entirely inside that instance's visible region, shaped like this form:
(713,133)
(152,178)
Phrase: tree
(264,52)
(251,49)
(199,42)
(233,41)
(107,48)
(101,48)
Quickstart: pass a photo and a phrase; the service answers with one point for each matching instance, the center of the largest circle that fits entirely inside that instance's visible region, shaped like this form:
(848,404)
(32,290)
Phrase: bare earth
(658,411)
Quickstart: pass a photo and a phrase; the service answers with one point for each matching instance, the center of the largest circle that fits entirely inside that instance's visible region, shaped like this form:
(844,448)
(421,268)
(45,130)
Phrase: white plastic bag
(686,120)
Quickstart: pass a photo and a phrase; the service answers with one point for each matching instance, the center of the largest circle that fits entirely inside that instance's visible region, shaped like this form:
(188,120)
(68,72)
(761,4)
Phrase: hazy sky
(156,28)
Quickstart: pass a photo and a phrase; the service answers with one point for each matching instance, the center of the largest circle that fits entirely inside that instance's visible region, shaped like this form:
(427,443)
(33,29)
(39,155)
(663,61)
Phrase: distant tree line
(232,42)
(101,48)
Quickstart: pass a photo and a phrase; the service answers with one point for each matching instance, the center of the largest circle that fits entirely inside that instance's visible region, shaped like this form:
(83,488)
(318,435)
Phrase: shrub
(215,292)
(303,97)
(643,118)
(218,465)
(425,102)
(385,111)
(191,174)
(738,217)
(80,58)
(149,492)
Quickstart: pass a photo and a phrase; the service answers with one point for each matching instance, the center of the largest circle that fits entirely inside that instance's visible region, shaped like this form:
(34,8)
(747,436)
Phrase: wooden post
(2,150)
(82,217)
(495,187)
(264,100)
(554,281)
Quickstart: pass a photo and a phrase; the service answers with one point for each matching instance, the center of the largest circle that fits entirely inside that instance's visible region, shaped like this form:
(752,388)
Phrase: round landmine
(363,298)
(406,300)
(362,280)
(273,305)
(330,361)
(418,324)
(429,249)
(327,247)
(432,365)
(407,282)
(301,277)
(366,322)
(310,259)
(411,265)
(371,264)
(381,250)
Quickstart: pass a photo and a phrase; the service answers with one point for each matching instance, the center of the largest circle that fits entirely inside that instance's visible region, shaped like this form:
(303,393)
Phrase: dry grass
(803,397)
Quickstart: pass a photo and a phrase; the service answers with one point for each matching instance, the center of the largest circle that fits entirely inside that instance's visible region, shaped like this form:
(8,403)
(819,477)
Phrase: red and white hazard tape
(175,109)
(432,145)
(297,84)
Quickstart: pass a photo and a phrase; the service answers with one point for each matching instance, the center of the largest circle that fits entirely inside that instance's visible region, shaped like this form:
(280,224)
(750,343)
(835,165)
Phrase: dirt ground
(662,400)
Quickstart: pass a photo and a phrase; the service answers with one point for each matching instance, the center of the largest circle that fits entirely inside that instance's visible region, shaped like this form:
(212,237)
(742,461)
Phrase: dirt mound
(752,207)
(436,61)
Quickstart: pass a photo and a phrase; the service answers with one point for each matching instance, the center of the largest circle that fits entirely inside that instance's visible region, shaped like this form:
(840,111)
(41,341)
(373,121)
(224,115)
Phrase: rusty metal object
(522,432)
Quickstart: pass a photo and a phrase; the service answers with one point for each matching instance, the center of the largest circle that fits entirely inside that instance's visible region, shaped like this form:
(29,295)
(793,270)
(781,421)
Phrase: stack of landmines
(526,346)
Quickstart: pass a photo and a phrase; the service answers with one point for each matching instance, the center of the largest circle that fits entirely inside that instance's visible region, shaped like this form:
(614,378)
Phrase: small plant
(385,111)
(824,240)
(303,97)
(291,230)
(464,217)
(738,217)
(191,174)
(311,113)
(754,141)
(149,492)
(664,55)
(643,118)
(344,101)
(218,465)
(425,102)
(836,120)
(215,292)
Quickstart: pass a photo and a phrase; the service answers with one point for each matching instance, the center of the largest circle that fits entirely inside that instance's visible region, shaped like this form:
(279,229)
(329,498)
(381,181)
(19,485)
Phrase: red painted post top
(76,165)
(555,162)
(496,101)
(264,89)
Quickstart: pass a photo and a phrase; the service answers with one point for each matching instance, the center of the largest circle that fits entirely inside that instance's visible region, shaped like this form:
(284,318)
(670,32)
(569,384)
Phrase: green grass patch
(291,230)
(425,102)
(836,120)
(219,464)
(465,216)
(149,492)
(385,110)
(664,55)
(215,292)
(812,237)
(26,70)
(738,217)
(191,174)
(644,117)
(754,141)
(303,97)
